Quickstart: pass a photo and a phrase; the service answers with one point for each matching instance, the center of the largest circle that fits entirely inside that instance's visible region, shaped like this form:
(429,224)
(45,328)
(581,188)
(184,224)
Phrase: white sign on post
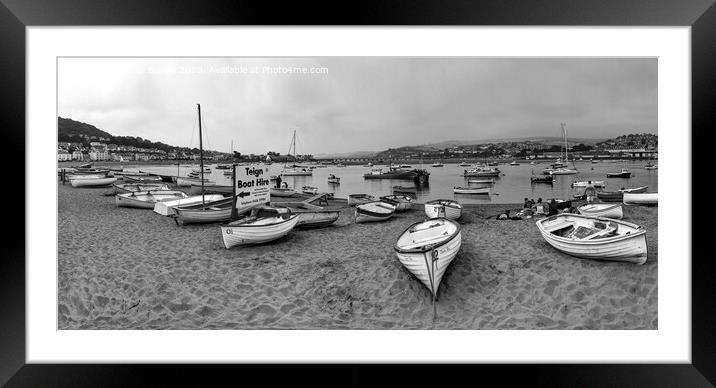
(252,186)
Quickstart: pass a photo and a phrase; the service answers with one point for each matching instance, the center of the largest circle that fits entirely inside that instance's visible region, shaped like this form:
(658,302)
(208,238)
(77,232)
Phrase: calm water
(511,187)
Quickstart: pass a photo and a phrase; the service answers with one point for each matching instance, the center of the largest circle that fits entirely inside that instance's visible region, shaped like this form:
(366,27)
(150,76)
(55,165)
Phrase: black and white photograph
(357,193)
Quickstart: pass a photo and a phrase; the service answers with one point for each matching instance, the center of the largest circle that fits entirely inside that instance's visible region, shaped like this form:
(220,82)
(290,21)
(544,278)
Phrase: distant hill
(548,140)
(72,131)
(347,155)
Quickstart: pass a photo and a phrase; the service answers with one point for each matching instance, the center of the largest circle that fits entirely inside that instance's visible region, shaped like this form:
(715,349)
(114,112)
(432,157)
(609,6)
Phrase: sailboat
(295,170)
(202,211)
(564,170)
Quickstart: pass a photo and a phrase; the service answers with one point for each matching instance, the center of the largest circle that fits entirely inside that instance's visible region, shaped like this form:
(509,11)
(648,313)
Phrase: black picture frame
(16,15)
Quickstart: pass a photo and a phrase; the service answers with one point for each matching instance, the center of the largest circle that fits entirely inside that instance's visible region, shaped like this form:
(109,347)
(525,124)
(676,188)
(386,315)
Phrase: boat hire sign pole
(234,213)
(201,157)
(251,187)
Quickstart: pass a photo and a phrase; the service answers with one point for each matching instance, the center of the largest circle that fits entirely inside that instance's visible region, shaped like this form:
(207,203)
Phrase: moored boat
(374,211)
(443,208)
(401,202)
(309,190)
(588,184)
(357,199)
(282,192)
(563,171)
(464,164)
(549,179)
(264,224)
(147,199)
(603,210)
(333,179)
(438,164)
(405,189)
(481,181)
(471,190)
(641,199)
(92,182)
(595,238)
(623,174)
(514,163)
(482,172)
(427,248)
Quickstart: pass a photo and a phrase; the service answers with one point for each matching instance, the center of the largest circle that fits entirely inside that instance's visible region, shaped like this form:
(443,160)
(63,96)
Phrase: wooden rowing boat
(263,225)
(443,208)
(357,199)
(401,202)
(166,208)
(604,210)
(471,190)
(92,182)
(133,187)
(208,212)
(641,199)
(374,211)
(147,199)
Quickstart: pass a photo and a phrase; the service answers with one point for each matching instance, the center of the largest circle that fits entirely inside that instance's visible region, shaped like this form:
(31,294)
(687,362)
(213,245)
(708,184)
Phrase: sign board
(252,186)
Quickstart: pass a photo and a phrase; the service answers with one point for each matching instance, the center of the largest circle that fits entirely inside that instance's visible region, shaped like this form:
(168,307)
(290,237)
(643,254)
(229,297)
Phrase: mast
(294,146)
(201,157)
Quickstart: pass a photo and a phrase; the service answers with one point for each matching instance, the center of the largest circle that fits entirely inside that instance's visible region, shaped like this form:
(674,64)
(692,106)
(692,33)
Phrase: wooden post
(234,213)
(201,157)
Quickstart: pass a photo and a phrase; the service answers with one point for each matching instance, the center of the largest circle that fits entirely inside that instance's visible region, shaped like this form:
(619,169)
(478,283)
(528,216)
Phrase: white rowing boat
(595,237)
(282,192)
(263,225)
(357,199)
(198,213)
(92,182)
(188,181)
(641,199)
(471,190)
(133,187)
(443,208)
(146,199)
(166,208)
(641,189)
(374,211)
(588,184)
(401,202)
(604,210)
(427,248)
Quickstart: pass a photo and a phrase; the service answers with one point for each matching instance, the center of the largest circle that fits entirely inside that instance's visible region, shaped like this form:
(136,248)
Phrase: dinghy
(198,213)
(401,202)
(134,187)
(595,238)
(623,174)
(309,190)
(603,210)
(641,199)
(263,225)
(313,218)
(92,182)
(147,199)
(195,189)
(374,211)
(443,208)
(482,172)
(405,189)
(427,248)
(90,171)
(641,189)
(549,179)
(481,181)
(188,181)
(141,178)
(471,190)
(333,179)
(166,208)
(282,192)
(357,199)
(563,171)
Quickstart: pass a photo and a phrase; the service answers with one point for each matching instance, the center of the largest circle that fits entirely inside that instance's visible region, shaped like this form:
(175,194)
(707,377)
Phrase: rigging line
(191,139)
(206,133)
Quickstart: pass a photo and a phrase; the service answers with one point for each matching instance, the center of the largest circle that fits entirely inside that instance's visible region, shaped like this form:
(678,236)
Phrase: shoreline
(123,268)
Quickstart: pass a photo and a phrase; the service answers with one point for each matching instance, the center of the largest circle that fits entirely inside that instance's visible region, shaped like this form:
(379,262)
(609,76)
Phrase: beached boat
(141,178)
(427,248)
(542,179)
(264,224)
(195,189)
(309,190)
(588,184)
(198,213)
(641,199)
(333,179)
(188,181)
(610,196)
(603,210)
(405,189)
(401,202)
(595,238)
(147,199)
(92,182)
(471,190)
(374,211)
(641,189)
(313,218)
(123,173)
(482,172)
(134,187)
(358,199)
(623,174)
(282,192)
(166,208)
(443,208)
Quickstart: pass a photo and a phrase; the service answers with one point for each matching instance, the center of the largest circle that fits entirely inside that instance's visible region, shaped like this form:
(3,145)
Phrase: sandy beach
(124,268)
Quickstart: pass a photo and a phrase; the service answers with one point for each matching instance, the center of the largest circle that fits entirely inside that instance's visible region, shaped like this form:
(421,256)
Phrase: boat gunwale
(291,216)
(638,232)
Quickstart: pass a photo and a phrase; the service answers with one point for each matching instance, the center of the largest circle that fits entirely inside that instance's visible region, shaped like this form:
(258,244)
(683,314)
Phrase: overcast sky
(360,104)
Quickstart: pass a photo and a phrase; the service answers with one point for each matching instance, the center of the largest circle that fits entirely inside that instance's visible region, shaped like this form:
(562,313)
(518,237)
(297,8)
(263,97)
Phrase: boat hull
(401,203)
(372,212)
(641,199)
(166,208)
(627,248)
(195,189)
(435,210)
(316,219)
(218,211)
(146,199)
(280,192)
(359,199)
(93,182)
(256,234)
(134,187)
(602,210)
(610,196)
(471,190)
(618,175)
(187,181)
